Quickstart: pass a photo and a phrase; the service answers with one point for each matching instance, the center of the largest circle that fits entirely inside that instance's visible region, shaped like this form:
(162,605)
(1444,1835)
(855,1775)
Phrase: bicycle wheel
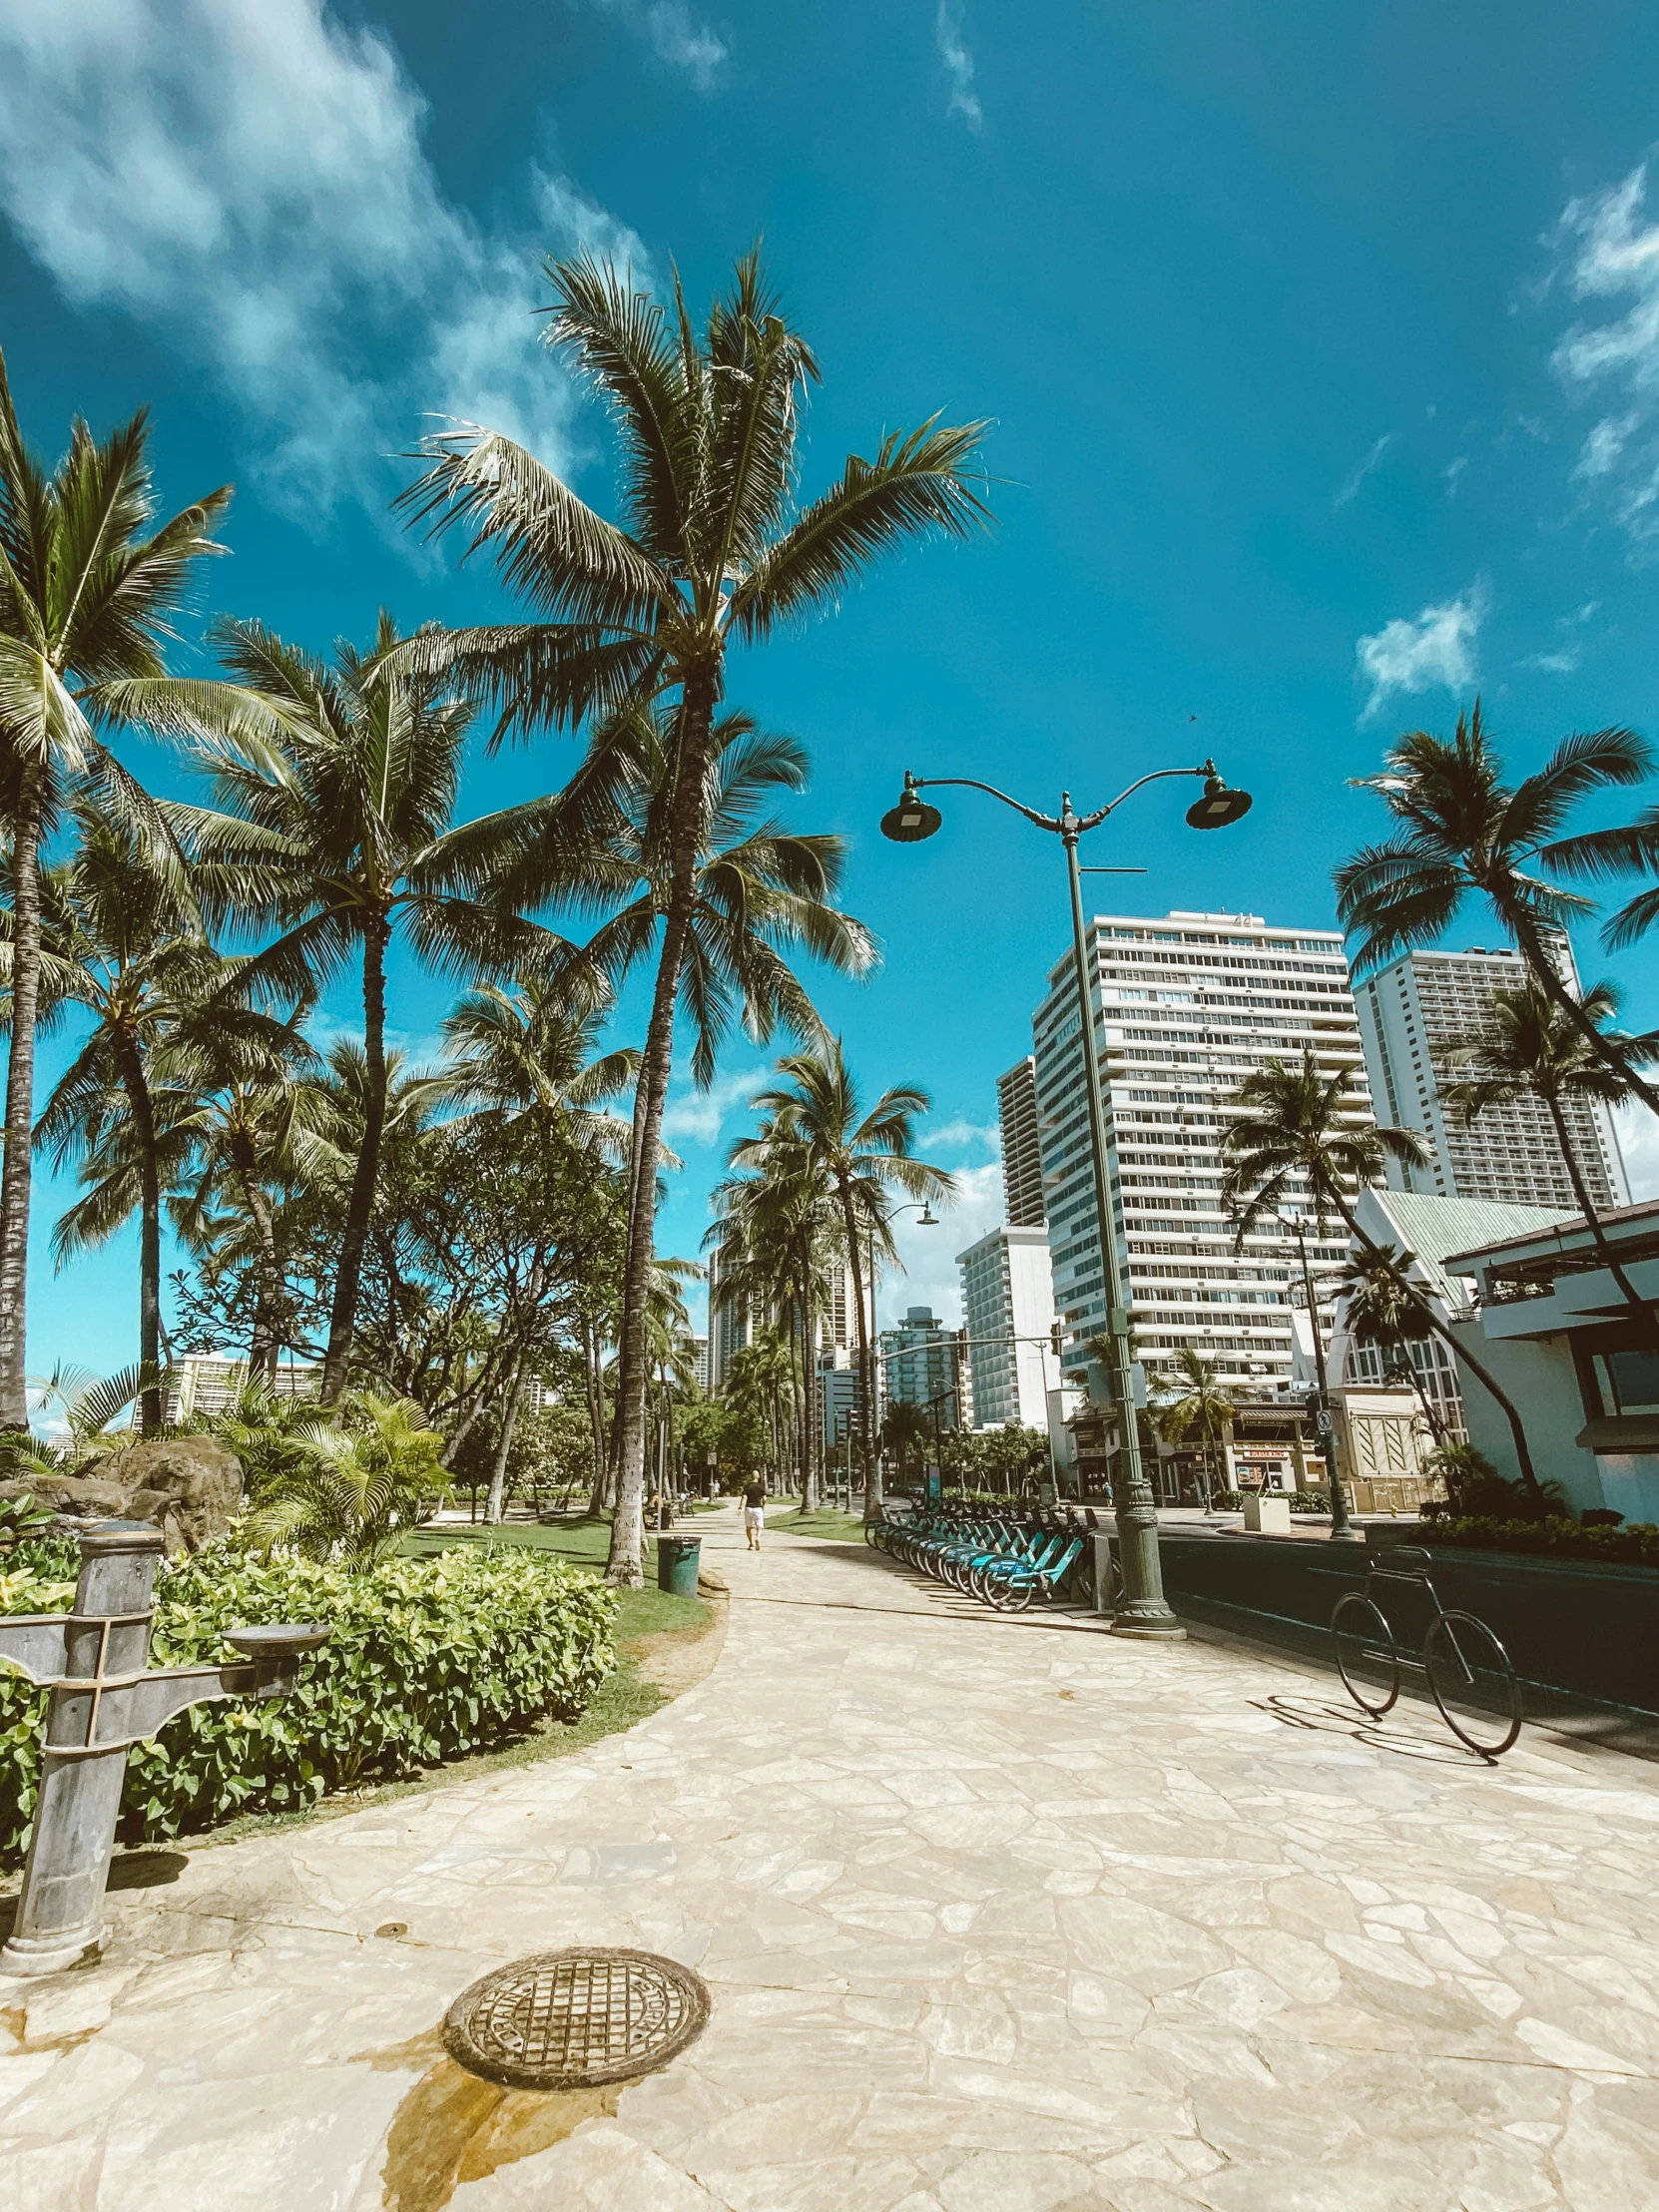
(1474,1683)
(1365,1654)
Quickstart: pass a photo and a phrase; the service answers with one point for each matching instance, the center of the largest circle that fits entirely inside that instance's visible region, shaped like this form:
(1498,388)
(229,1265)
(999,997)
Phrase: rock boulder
(189,1486)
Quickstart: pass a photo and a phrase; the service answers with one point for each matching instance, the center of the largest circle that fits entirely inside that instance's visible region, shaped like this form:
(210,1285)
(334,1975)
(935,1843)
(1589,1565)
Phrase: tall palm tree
(759,893)
(1297,1143)
(536,1049)
(336,790)
(1375,1305)
(861,1158)
(1602,854)
(86,597)
(1527,1048)
(710,549)
(1198,1402)
(123,946)
(1466,833)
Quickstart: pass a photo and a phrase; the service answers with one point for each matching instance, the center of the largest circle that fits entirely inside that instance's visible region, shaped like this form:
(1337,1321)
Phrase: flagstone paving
(997,1916)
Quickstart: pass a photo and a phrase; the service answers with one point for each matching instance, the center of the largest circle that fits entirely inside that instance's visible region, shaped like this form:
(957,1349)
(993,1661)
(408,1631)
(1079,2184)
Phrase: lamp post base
(39,1954)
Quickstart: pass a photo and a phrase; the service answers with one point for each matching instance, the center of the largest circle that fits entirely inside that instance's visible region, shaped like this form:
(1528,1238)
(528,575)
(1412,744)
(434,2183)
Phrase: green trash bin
(677,1565)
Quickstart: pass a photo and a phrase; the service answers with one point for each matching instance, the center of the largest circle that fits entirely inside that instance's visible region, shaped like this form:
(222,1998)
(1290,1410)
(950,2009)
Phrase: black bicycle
(1469,1672)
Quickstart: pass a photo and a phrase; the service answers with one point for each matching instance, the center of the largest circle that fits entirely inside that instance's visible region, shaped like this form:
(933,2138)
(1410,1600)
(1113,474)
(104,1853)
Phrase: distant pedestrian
(753,1511)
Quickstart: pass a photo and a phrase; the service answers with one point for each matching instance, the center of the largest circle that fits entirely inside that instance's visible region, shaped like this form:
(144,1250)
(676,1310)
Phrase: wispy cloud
(1450,473)
(1562,659)
(251,184)
(962,1135)
(958,66)
(1611,254)
(1431,650)
(1350,489)
(701,1115)
(674,36)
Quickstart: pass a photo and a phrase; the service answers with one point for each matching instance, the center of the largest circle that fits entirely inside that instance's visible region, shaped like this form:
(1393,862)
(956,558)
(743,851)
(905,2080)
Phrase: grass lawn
(828,1520)
(584,1543)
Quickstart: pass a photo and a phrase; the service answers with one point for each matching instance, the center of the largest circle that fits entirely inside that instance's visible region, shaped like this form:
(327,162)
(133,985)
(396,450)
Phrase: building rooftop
(1560,1232)
(1439,1228)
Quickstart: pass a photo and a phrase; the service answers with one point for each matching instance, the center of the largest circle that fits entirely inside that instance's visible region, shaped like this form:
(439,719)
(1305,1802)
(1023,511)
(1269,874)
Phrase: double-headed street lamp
(1144,1610)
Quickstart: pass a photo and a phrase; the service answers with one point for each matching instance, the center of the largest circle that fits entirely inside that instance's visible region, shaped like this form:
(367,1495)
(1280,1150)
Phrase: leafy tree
(710,549)
(336,789)
(87,598)
(1200,1401)
(1463,832)
(1371,1288)
(1528,1048)
(1297,1142)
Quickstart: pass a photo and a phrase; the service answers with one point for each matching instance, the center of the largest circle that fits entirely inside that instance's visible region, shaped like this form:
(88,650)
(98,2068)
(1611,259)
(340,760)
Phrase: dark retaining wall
(1584,1629)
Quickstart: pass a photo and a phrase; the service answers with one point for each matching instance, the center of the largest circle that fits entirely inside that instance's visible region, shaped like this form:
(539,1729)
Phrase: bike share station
(105,1697)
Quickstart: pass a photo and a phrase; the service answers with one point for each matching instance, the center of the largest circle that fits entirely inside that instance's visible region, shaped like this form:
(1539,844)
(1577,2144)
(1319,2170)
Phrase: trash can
(677,1565)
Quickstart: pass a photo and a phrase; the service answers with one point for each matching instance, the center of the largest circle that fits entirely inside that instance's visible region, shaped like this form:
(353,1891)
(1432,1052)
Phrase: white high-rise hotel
(1185,1007)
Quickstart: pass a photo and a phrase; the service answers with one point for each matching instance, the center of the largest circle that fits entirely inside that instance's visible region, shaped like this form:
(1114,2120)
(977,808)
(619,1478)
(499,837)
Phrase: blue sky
(1321,345)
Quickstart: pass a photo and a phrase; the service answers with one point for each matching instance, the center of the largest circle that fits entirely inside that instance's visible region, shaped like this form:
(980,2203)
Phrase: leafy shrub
(1555,1537)
(1494,1496)
(1300,1501)
(430,1659)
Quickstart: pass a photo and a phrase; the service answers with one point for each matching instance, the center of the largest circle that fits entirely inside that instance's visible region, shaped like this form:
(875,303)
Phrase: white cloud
(1450,473)
(958,66)
(931,1275)
(674,36)
(1612,254)
(1639,1142)
(962,1134)
(1424,652)
(1554,664)
(701,1115)
(251,182)
(1349,492)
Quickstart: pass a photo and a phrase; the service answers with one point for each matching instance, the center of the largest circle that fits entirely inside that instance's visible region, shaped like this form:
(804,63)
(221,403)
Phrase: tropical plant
(710,549)
(1527,1048)
(1195,1399)
(858,1159)
(354,1491)
(536,1049)
(1375,1305)
(907,1431)
(1297,1144)
(88,1407)
(336,790)
(85,598)
(1463,832)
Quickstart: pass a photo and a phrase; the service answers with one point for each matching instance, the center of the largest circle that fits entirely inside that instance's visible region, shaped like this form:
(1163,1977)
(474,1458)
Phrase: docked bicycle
(1469,1672)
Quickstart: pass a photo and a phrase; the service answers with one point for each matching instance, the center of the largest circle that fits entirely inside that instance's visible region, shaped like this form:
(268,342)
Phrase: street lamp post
(1144,1611)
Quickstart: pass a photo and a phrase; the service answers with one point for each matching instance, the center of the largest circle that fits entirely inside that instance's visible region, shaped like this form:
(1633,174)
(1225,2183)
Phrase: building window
(1627,1382)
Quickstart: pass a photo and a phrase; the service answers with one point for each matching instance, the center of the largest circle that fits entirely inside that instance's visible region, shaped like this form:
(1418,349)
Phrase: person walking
(753,1511)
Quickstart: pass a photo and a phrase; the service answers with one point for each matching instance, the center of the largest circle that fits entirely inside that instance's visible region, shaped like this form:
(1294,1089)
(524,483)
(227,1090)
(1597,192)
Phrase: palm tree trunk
(594,1383)
(1549,982)
(1433,1319)
(265,1343)
(1341,1528)
(1647,1320)
(20,1100)
(503,1450)
(689,826)
(866,1423)
(360,1206)
(142,1108)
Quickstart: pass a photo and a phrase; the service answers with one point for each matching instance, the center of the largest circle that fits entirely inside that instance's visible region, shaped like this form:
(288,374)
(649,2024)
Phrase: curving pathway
(998,1916)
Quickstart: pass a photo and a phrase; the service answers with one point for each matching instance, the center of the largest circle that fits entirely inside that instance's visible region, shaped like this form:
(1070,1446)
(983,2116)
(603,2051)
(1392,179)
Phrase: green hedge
(429,1658)
(1555,1538)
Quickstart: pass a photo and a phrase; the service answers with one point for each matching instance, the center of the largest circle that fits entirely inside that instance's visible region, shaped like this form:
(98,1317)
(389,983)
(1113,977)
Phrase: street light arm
(969,782)
(1092,821)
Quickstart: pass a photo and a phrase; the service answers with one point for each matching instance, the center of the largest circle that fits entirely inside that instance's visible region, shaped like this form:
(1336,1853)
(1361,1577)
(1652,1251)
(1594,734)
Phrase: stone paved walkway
(998,1916)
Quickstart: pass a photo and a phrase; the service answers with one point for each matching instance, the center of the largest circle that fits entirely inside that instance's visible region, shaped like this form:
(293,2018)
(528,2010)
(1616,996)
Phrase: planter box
(1265,1515)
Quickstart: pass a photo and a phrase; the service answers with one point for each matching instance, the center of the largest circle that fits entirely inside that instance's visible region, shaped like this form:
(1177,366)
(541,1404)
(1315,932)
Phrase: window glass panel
(1629,1381)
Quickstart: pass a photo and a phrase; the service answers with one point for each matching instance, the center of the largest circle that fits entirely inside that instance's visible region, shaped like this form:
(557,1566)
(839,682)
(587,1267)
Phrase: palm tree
(85,598)
(338,790)
(536,1049)
(1371,1288)
(906,1430)
(860,1158)
(123,944)
(1529,1049)
(1298,1142)
(758,894)
(1463,832)
(350,1490)
(710,548)
(1202,1403)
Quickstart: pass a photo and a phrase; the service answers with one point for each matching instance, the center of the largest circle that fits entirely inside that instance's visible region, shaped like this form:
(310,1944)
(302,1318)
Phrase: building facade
(1409,1015)
(730,1324)
(211,1381)
(1022,1159)
(921,1364)
(1007,1310)
(1185,1006)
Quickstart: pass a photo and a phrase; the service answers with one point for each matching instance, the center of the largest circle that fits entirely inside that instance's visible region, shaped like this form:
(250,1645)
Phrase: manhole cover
(565,2020)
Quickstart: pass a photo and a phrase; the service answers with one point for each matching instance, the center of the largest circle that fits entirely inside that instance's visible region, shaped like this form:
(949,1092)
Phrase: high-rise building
(702,1344)
(1007,1308)
(728,1323)
(1409,1015)
(1185,1006)
(1023,1160)
(922,1365)
(211,1381)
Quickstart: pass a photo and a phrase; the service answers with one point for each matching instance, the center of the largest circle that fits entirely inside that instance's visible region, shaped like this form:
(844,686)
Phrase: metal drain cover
(569,2019)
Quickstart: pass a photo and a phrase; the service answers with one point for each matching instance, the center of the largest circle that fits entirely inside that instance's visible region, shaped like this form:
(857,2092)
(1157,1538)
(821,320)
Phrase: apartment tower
(1022,1161)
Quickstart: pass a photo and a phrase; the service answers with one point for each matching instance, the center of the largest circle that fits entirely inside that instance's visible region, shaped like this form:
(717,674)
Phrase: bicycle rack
(1452,1640)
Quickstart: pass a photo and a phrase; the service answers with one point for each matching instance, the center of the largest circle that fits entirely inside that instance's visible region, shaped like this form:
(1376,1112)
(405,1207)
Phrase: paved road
(998,1916)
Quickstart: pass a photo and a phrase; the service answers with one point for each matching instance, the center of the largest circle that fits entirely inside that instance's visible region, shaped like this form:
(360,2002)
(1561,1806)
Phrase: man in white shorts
(753,1511)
